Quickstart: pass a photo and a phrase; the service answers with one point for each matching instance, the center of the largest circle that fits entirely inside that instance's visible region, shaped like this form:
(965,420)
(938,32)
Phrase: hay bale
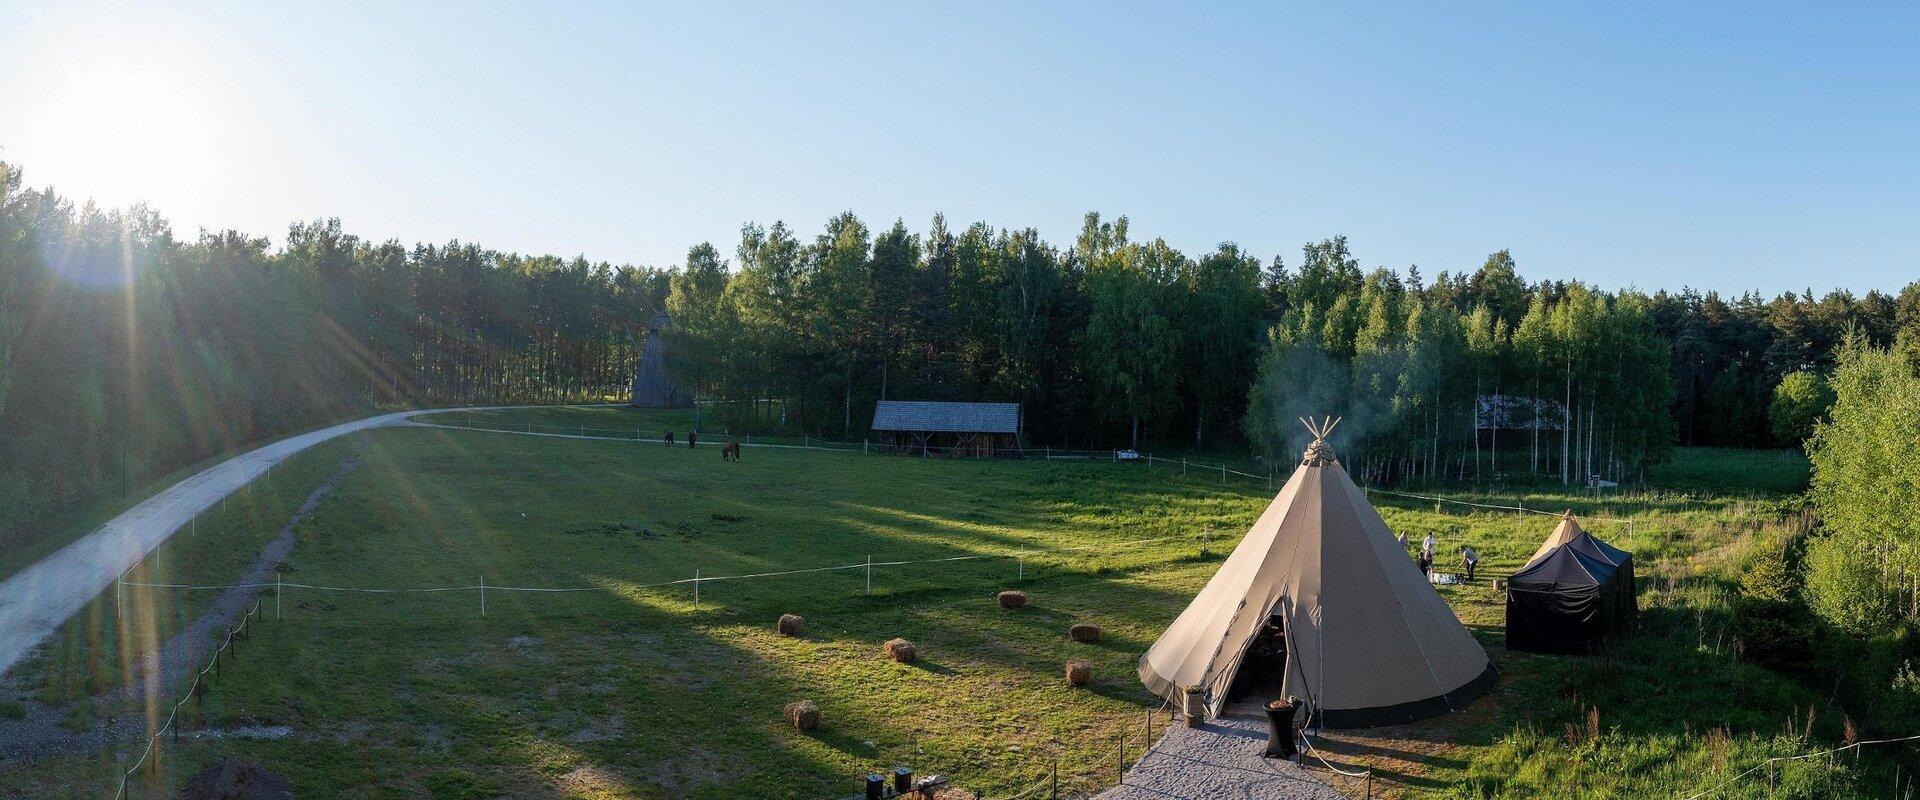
(1079,673)
(235,778)
(901,650)
(1084,633)
(791,624)
(1013,599)
(804,714)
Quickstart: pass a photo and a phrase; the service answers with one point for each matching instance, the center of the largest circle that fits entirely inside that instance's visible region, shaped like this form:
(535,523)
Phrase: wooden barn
(953,430)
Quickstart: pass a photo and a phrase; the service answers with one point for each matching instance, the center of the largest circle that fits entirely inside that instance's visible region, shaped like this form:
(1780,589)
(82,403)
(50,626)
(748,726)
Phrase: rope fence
(194,687)
(1778,759)
(483,587)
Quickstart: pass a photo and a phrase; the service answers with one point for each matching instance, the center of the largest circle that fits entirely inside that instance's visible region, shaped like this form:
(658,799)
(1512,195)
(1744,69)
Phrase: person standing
(1426,548)
(1469,559)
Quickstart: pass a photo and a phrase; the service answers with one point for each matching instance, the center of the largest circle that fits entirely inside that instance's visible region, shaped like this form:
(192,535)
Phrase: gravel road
(38,599)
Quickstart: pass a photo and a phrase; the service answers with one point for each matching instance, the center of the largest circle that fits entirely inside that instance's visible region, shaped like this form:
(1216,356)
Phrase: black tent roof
(1564,567)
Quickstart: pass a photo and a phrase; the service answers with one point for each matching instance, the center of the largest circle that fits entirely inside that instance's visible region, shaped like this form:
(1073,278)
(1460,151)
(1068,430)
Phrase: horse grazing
(730,451)
(669,438)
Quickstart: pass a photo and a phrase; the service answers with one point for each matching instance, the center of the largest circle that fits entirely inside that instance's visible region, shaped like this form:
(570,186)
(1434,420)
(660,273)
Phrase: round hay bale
(1084,633)
(1079,673)
(901,650)
(791,624)
(1013,599)
(804,714)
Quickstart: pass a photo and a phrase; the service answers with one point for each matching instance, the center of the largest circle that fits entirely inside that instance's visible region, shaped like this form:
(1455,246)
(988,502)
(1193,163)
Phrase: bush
(1845,586)
(1799,401)
(1773,634)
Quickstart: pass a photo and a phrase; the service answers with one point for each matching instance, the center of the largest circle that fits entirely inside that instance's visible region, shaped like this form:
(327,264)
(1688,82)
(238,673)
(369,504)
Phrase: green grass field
(626,689)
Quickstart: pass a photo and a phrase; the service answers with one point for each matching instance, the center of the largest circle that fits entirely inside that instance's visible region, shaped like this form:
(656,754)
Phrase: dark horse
(730,451)
(669,438)
(693,439)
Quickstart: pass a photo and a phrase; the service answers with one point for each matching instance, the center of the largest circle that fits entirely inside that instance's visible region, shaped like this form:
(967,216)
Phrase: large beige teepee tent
(1367,640)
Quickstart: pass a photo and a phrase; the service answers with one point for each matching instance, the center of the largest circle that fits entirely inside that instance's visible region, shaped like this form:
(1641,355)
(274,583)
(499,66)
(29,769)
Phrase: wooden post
(869,573)
(276,595)
(483,595)
(1021,558)
(1055,794)
(696,589)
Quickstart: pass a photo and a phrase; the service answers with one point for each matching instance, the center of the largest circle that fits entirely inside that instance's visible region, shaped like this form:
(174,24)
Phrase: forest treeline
(130,353)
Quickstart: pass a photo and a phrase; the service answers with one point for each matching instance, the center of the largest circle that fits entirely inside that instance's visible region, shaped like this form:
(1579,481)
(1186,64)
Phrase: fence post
(1049,452)
(1021,558)
(1055,794)
(1183,465)
(483,595)
(276,595)
(863,447)
(869,573)
(1120,763)
(696,589)
(1223,474)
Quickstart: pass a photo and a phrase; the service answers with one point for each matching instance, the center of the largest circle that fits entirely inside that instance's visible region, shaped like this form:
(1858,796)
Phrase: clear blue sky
(1771,147)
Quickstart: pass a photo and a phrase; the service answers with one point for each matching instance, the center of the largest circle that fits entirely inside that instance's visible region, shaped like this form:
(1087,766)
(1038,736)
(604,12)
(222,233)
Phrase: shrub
(791,624)
(804,714)
(1079,673)
(901,650)
(1846,588)
(1084,633)
(1013,599)
(1799,401)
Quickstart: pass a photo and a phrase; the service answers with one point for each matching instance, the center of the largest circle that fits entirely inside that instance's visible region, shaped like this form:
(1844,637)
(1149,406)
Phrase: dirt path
(39,599)
(42,731)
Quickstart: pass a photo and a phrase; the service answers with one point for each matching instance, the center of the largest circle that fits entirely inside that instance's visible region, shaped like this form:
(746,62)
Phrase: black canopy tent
(1574,592)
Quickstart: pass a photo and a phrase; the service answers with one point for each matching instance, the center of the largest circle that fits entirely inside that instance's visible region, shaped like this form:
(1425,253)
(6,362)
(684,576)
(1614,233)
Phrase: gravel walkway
(1218,761)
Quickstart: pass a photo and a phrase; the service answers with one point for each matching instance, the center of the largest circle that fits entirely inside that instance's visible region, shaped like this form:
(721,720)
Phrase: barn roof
(937,417)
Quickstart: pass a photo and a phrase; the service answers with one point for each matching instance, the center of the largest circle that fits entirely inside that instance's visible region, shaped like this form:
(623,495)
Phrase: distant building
(651,386)
(954,430)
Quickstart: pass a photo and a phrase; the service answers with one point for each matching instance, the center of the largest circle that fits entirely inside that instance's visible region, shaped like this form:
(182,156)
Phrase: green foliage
(1799,401)
(1846,586)
(1866,484)
(1769,620)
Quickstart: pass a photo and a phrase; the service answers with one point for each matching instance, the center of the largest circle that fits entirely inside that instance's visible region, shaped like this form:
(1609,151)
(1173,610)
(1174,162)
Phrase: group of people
(1469,557)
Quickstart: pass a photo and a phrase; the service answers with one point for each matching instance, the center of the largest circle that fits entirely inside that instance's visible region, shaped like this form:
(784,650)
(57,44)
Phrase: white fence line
(1022,554)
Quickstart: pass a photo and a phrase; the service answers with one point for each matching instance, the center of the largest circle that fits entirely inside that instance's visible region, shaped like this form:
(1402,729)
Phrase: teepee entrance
(1360,633)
